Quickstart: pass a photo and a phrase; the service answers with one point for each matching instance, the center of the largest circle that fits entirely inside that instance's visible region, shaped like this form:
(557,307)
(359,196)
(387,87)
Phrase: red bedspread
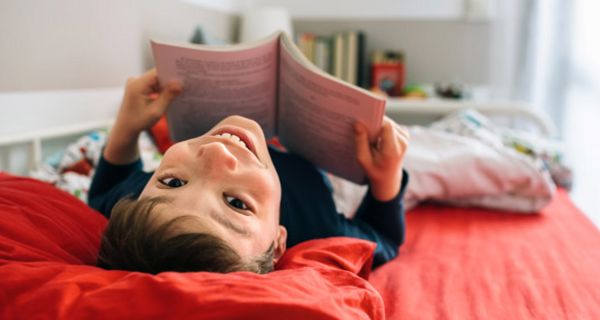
(460,263)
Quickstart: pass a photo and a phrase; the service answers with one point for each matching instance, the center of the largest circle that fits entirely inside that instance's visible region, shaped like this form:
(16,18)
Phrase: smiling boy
(225,201)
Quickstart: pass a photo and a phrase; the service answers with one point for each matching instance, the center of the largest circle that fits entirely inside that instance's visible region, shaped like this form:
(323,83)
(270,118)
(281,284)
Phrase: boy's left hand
(383,161)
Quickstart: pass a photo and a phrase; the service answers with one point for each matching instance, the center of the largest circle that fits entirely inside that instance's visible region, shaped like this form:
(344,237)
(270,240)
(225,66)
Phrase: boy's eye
(172,182)
(236,203)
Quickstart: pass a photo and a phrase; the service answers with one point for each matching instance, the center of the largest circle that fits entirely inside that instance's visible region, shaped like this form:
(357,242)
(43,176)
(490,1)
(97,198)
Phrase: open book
(271,82)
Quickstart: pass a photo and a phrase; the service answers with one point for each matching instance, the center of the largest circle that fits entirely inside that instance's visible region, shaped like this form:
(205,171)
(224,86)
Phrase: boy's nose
(216,156)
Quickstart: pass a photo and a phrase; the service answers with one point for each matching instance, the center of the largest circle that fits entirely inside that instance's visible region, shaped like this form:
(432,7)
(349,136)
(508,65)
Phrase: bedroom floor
(581,134)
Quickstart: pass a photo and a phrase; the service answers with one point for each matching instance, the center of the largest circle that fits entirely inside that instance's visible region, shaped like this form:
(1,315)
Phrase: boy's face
(231,187)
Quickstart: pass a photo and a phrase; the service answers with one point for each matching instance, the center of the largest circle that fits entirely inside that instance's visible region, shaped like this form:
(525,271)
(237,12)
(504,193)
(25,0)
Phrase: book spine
(311,48)
(363,61)
(352,62)
(305,44)
(345,54)
(338,55)
(322,53)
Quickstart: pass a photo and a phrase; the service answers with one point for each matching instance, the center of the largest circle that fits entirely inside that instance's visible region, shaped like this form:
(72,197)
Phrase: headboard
(33,122)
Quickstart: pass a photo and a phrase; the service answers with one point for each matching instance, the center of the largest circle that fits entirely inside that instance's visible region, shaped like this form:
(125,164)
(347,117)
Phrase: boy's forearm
(387,189)
(386,217)
(122,146)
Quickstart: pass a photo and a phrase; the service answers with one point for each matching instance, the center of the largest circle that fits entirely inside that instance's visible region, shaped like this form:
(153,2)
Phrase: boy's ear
(280,240)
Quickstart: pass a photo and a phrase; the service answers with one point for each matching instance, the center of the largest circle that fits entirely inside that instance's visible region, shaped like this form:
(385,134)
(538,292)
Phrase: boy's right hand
(145,102)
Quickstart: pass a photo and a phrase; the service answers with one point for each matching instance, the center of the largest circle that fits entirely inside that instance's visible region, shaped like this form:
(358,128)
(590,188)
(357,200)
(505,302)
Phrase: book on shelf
(338,56)
(343,55)
(364,69)
(352,57)
(273,83)
(322,53)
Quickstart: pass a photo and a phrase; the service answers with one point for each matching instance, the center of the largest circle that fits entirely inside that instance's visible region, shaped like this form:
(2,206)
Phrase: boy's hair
(132,241)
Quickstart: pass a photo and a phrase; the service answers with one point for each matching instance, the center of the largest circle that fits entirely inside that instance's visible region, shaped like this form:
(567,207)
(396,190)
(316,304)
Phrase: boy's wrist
(122,146)
(386,189)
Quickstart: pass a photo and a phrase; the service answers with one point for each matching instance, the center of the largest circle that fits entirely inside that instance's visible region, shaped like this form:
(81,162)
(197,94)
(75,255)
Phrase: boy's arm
(382,208)
(143,104)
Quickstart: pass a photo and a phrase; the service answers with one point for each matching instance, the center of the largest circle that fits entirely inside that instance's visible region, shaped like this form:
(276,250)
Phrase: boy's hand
(143,104)
(383,161)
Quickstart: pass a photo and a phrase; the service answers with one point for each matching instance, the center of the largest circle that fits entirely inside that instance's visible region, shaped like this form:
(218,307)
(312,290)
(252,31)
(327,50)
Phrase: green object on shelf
(415,91)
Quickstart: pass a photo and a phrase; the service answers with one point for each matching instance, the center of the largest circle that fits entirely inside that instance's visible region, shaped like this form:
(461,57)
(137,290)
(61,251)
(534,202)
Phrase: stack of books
(343,55)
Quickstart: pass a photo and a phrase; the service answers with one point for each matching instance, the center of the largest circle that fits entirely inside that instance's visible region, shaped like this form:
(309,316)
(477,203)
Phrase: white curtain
(544,67)
(560,75)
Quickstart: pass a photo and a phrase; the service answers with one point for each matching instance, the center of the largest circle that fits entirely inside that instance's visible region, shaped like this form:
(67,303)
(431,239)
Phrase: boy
(216,202)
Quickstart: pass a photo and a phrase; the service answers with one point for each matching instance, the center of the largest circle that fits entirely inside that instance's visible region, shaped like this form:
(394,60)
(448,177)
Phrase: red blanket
(48,245)
(460,263)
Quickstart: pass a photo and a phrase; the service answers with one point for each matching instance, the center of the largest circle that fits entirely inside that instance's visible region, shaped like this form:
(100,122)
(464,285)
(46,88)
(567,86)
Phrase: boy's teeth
(232,137)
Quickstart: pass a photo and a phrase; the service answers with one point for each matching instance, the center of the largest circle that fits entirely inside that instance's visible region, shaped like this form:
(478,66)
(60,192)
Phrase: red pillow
(160,134)
(48,245)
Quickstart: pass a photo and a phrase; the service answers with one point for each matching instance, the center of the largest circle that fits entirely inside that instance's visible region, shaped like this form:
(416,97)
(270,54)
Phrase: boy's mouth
(234,138)
(239,137)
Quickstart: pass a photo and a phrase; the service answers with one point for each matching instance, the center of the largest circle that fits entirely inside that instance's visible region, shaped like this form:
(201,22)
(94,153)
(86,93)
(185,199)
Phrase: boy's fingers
(403,133)
(174,87)
(146,83)
(363,149)
(166,96)
(402,136)
(388,138)
(149,75)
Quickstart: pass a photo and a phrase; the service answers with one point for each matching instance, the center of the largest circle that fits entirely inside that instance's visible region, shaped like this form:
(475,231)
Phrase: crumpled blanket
(72,169)
(465,160)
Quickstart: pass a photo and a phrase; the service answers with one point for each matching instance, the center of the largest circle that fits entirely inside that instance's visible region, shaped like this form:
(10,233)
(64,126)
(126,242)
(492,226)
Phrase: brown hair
(132,241)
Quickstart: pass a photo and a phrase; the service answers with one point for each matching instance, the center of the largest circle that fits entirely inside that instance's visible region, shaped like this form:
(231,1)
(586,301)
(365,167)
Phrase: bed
(456,263)
(465,263)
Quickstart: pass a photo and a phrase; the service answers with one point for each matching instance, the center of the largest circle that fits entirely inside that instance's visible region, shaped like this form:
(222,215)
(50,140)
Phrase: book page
(317,113)
(218,82)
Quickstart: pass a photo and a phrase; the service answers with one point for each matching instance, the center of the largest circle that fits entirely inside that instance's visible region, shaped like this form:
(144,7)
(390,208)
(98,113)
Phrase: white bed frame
(30,120)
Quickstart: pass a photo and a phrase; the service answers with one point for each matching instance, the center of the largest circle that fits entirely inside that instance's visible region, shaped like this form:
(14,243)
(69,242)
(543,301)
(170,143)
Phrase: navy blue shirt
(307,207)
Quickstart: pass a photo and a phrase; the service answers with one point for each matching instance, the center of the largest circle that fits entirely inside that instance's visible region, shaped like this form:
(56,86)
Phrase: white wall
(174,20)
(69,44)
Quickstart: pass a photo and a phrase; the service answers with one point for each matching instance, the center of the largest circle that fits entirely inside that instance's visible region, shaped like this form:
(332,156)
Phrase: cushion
(48,245)
(160,134)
